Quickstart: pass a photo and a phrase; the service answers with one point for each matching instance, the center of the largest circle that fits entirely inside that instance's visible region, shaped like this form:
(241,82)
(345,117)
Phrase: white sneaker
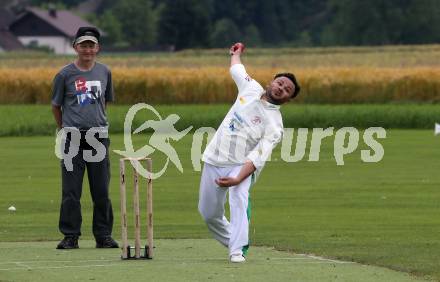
(237,258)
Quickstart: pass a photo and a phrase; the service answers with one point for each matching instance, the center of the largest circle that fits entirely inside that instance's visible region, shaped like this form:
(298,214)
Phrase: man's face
(87,50)
(281,90)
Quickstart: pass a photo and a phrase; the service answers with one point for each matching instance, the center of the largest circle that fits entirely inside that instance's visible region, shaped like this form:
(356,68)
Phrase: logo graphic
(164,131)
(87,92)
(231,125)
(80,85)
(256,120)
(238,117)
(68,140)
(346,141)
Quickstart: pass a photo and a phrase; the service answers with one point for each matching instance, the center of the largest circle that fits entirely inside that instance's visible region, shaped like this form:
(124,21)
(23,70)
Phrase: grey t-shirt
(82,95)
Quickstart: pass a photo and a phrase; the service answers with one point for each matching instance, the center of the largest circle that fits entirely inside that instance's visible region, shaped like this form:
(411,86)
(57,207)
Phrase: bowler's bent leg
(212,201)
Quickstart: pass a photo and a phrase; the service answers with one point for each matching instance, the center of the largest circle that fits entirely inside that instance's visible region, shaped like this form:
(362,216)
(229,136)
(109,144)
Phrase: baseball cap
(87,33)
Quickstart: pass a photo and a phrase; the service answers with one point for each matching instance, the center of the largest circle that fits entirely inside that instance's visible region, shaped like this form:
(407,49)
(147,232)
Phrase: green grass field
(383,214)
(31,120)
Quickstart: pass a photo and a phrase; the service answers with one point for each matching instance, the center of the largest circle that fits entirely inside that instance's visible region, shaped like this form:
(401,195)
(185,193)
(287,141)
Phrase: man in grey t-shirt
(80,93)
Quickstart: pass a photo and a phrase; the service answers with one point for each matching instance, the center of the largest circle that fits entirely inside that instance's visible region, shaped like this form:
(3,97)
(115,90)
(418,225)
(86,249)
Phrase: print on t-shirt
(87,92)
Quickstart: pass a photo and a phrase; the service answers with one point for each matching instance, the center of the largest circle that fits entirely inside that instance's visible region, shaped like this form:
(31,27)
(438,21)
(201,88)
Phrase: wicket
(126,249)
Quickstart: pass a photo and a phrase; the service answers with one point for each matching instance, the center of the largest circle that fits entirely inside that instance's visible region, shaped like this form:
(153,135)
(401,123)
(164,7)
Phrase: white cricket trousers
(212,199)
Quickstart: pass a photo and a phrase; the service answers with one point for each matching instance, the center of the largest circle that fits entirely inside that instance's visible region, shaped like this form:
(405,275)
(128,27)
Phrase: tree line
(182,24)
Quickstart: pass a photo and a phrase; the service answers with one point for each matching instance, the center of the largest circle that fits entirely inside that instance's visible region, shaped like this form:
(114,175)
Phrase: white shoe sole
(237,259)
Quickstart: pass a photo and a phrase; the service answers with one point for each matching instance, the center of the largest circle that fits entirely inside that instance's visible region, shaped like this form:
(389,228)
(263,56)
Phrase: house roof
(6,18)
(8,41)
(63,20)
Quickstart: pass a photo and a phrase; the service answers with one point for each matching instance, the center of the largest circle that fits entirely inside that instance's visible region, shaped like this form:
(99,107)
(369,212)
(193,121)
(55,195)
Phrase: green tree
(184,24)
(138,22)
(356,23)
(225,33)
(269,14)
(378,22)
(306,21)
(229,9)
(252,36)
(112,28)
(422,24)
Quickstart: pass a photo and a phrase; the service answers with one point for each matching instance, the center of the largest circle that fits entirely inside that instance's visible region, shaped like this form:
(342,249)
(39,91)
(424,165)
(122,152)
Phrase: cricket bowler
(238,151)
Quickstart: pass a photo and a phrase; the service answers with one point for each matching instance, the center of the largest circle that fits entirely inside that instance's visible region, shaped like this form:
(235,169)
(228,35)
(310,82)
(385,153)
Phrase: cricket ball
(239,46)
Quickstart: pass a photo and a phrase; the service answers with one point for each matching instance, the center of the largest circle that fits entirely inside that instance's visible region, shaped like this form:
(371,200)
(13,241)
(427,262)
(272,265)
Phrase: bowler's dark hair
(293,79)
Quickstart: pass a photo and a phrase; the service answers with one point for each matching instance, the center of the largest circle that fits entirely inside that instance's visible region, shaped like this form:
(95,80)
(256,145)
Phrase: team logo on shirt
(87,92)
(80,85)
(235,122)
(238,117)
(256,120)
(232,125)
(248,78)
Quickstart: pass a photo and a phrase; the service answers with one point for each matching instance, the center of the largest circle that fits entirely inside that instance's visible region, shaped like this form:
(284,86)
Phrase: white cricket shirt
(250,130)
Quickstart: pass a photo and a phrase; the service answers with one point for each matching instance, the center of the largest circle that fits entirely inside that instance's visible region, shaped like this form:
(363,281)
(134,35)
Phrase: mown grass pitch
(177,260)
(384,214)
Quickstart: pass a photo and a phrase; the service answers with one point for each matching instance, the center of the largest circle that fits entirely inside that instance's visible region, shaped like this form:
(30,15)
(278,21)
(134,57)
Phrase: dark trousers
(99,177)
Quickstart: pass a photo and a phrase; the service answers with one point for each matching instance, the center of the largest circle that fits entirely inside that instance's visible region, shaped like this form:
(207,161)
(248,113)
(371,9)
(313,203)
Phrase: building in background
(8,41)
(54,29)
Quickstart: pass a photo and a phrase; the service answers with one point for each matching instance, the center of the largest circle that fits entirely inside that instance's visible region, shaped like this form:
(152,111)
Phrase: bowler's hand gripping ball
(238,46)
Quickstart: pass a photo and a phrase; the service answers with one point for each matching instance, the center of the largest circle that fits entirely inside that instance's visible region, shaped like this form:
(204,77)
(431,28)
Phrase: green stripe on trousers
(245,249)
